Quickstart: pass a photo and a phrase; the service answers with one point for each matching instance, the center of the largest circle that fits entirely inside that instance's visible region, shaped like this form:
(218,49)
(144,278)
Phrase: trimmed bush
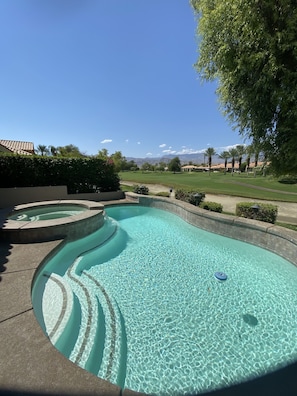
(141,189)
(192,197)
(80,175)
(212,206)
(252,210)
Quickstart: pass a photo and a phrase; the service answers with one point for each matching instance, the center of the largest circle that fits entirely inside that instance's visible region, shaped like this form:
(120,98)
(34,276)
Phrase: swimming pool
(144,309)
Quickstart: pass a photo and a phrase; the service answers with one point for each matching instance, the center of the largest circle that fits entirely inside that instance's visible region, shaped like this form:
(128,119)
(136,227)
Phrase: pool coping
(29,363)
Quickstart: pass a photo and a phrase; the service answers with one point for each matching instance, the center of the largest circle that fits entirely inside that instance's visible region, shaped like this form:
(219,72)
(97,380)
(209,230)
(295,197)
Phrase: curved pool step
(113,366)
(100,345)
(101,337)
(57,305)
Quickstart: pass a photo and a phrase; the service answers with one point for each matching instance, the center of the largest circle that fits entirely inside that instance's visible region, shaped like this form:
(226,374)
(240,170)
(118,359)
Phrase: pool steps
(55,324)
(101,331)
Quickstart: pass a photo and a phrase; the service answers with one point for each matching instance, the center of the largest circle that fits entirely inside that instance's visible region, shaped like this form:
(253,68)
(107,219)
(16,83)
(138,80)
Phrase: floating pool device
(221,276)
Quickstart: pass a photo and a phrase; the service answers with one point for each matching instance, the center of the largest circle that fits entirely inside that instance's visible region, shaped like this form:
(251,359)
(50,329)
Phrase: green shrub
(252,210)
(141,189)
(212,206)
(192,197)
(80,175)
(288,180)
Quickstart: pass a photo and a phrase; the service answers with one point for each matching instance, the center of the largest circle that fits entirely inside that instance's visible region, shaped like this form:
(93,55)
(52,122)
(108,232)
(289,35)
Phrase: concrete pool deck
(29,364)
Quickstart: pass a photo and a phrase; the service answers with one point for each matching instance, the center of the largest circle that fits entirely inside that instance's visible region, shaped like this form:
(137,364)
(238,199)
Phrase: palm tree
(53,150)
(225,155)
(210,152)
(42,149)
(256,150)
(241,150)
(249,151)
(233,155)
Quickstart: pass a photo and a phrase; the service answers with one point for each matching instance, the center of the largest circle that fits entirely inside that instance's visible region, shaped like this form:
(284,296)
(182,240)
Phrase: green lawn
(241,185)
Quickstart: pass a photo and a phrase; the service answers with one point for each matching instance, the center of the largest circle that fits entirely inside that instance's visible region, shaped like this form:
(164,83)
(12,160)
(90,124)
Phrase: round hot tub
(50,220)
(47,212)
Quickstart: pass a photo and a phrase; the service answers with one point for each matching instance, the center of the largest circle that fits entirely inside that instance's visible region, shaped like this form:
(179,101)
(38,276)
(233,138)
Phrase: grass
(286,225)
(241,185)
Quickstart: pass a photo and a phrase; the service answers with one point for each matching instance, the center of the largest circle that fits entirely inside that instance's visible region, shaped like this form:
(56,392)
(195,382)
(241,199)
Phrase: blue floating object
(220,276)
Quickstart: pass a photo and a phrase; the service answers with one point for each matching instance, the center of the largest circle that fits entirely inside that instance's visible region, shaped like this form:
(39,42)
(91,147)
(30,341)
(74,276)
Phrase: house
(192,168)
(16,147)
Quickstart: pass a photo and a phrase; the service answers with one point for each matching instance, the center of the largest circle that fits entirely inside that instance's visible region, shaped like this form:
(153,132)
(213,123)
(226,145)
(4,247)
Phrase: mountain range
(198,158)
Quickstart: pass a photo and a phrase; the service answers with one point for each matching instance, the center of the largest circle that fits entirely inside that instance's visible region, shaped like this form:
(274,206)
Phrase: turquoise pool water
(137,303)
(49,212)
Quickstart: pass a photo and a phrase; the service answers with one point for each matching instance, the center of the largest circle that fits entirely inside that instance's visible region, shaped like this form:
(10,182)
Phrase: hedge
(192,197)
(212,206)
(262,212)
(141,189)
(80,175)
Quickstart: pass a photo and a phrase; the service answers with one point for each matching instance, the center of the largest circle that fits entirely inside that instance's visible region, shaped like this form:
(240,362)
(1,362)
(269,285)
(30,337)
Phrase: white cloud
(227,148)
(127,140)
(218,150)
(162,145)
(148,154)
(190,151)
(169,151)
(138,143)
(106,141)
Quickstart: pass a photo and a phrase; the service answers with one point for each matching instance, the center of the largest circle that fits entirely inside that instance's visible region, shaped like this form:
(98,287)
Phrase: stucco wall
(21,195)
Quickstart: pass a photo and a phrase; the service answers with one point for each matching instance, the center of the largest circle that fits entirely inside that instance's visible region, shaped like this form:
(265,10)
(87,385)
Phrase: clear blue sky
(113,74)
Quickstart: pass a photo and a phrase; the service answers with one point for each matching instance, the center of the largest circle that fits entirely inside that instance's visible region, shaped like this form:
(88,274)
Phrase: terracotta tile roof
(17,147)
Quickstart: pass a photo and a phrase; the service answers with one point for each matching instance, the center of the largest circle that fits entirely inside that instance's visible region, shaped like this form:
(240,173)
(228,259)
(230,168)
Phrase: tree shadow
(5,251)
(5,246)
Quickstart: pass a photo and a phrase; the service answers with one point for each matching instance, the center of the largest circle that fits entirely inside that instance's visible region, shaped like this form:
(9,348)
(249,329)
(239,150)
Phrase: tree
(69,151)
(210,152)
(249,152)
(53,150)
(249,47)
(174,165)
(240,152)
(42,149)
(233,154)
(129,166)
(146,166)
(161,166)
(103,154)
(225,155)
(118,160)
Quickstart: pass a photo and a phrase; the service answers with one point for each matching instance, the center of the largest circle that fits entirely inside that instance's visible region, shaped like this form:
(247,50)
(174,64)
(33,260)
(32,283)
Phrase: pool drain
(221,276)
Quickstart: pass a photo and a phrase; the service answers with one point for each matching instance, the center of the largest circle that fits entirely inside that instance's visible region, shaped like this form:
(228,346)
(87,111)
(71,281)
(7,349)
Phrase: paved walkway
(287,211)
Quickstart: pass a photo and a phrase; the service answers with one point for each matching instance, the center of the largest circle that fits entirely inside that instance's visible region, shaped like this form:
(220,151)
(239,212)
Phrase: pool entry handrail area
(40,366)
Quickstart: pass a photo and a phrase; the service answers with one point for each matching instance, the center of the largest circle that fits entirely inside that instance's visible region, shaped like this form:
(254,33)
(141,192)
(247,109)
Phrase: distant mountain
(198,158)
